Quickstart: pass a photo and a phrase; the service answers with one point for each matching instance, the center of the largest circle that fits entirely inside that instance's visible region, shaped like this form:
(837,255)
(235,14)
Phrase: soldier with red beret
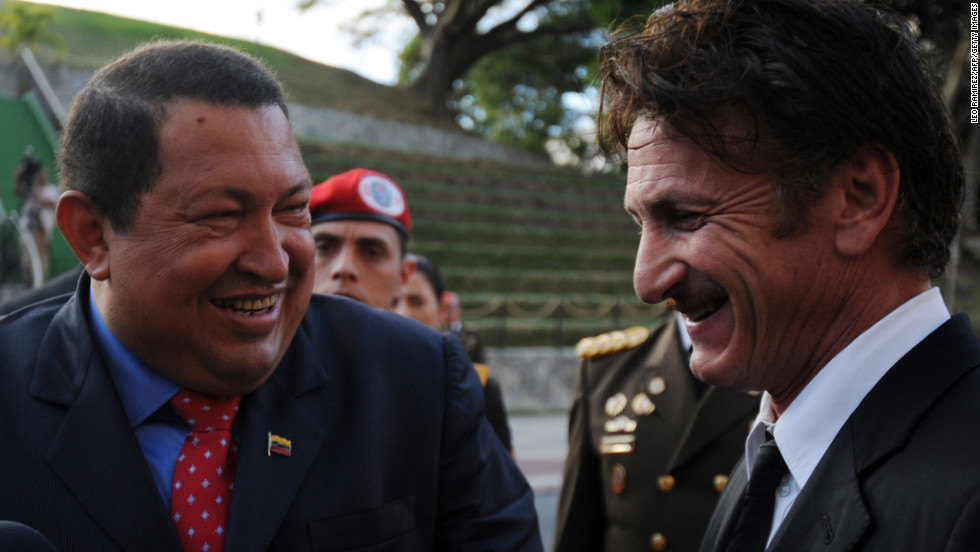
(361,225)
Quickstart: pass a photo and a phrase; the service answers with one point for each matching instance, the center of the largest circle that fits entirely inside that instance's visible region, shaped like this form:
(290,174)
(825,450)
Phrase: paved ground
(540,445)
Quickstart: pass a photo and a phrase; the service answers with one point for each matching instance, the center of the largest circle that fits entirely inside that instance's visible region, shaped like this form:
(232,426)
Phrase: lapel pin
(279,445)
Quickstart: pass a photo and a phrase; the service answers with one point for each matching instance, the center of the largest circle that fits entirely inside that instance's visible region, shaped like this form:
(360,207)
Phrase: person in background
(421,299)
(37,201)
(797,183)
(471,339)
(361,226)
(193,393)
(649,446)
(421,302)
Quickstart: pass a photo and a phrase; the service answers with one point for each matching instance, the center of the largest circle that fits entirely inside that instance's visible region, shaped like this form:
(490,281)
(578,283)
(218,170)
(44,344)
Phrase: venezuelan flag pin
(279,445)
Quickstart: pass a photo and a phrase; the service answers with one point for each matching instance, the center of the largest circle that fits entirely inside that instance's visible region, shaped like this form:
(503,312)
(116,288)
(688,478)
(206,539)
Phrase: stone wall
(331,125)
(534,379)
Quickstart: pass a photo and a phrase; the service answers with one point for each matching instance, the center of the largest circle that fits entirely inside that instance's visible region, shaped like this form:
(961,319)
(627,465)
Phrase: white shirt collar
(682,331)
(806,428)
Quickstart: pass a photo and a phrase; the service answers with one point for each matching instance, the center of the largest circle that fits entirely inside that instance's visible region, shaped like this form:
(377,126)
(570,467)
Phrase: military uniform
(650,447)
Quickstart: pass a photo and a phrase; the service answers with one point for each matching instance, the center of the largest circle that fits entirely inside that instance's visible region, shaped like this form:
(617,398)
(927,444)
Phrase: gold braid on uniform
(612,342)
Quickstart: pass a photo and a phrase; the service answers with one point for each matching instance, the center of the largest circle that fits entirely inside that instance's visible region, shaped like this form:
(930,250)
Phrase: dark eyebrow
(325,235)
(369,242)
(245,197)
(298,188)
(663,203)
(322,234)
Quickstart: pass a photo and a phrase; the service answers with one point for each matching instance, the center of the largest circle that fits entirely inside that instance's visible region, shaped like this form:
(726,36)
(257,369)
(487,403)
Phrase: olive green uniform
(650,447)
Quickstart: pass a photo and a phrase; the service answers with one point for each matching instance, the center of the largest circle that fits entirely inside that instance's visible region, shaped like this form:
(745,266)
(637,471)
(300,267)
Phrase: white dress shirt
(810,423)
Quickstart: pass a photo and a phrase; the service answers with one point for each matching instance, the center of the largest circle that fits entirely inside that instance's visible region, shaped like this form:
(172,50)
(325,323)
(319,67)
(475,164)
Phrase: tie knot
(204,413)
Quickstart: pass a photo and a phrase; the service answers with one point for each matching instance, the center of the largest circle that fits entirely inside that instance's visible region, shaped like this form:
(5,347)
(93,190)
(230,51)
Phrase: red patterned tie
(205,471)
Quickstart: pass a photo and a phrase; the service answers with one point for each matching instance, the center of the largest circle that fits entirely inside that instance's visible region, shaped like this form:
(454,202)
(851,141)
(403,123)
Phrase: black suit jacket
(903,474)
(660,495)
(390,449)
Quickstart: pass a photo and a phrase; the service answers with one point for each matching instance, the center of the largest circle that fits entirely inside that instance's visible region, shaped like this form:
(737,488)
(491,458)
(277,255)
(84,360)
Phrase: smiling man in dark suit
(797,183)
(189,394)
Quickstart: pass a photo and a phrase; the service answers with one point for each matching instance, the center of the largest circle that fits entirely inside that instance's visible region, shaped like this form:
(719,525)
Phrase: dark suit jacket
(493,395)
(903,474)
(390,450)
(667,487)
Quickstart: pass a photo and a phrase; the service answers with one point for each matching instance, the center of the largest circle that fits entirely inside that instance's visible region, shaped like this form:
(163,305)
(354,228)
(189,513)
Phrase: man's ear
(84,228)
(866,187)
(443,314)
(406,273)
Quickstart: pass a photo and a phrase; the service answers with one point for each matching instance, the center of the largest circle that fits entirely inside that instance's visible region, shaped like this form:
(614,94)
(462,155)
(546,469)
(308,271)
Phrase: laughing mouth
(700,306)
(705,310)
(248,307)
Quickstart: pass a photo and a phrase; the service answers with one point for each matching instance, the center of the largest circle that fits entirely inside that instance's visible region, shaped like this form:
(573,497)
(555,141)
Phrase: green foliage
(409,59)
(515,95)
(522,94)
(26,25)
(511,79)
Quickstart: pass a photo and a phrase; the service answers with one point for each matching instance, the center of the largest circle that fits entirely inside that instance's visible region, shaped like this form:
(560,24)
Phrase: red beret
(361,194)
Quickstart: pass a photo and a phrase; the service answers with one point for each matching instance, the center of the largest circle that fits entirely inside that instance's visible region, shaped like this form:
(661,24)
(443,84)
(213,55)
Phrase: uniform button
(657,386)
(665,483)
(617,479)
(658,541)
(785,490)
(720,482)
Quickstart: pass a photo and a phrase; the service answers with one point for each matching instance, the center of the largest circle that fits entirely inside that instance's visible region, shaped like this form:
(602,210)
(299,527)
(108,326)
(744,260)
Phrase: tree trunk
(435,80)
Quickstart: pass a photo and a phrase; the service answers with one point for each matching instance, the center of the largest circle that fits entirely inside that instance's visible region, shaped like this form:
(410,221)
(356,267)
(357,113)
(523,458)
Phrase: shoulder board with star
(612,342)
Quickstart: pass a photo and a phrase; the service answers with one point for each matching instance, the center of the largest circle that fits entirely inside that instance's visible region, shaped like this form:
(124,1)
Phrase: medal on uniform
(642,405)
(616,404)
(617,478)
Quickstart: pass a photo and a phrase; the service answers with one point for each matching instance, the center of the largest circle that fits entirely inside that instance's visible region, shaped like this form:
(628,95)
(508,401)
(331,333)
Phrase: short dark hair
(110,143)
(814,82)
(427,268)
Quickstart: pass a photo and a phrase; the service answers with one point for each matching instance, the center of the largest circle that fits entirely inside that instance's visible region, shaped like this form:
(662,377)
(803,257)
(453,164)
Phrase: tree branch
(499,37)
(415,11)
(512,22)
(462,16)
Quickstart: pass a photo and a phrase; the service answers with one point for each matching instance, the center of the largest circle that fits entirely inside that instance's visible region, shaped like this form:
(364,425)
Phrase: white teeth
(707,310)
(696,315)
(248,306)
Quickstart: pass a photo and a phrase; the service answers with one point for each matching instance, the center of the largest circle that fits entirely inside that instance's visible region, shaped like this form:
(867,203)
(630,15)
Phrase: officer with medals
(650,446)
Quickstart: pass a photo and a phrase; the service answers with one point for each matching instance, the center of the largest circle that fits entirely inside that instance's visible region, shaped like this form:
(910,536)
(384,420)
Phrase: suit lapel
(95,452)
(290,405)
(830,512)
(886,417)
